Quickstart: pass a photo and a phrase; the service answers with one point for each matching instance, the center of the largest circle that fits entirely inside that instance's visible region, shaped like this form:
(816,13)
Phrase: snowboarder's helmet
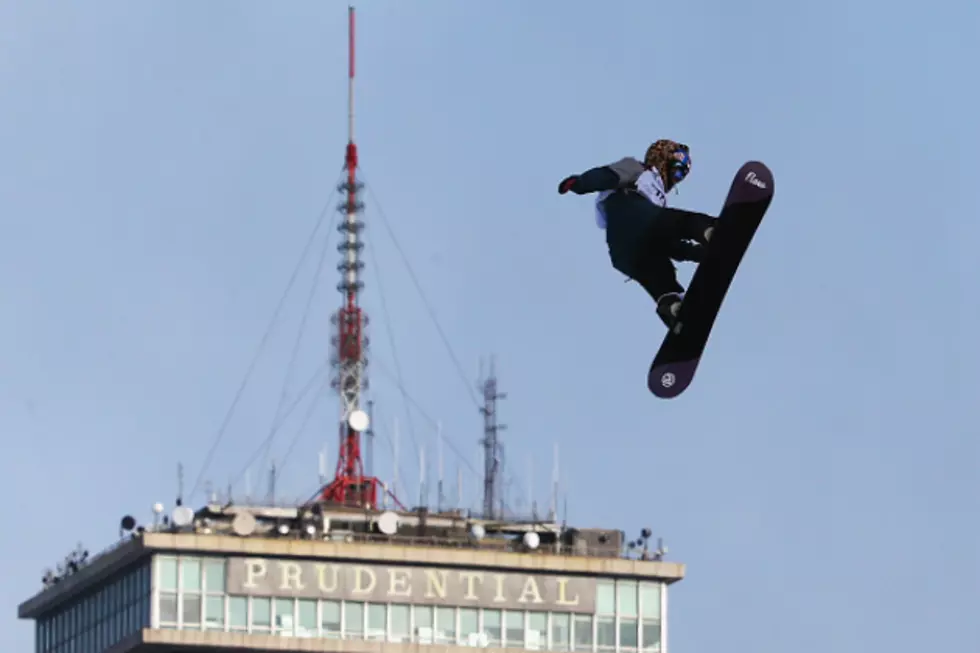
(670,158)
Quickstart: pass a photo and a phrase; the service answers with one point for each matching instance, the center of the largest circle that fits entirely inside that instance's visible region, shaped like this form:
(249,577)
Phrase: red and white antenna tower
(350,485)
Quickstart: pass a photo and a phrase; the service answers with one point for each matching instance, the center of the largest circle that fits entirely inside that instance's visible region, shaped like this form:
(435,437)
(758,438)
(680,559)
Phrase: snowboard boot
(668,306)
(684,250)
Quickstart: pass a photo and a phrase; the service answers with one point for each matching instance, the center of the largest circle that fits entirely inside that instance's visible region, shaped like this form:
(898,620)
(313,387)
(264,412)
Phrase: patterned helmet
(670,158)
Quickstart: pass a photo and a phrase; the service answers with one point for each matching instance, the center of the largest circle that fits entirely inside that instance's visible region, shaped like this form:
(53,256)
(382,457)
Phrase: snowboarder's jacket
(628,174)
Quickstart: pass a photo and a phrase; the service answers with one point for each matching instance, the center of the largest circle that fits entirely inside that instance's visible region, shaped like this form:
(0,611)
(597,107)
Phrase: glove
(566,184)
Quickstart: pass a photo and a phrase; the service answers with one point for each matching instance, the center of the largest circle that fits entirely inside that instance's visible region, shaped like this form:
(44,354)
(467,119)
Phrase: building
(314,579)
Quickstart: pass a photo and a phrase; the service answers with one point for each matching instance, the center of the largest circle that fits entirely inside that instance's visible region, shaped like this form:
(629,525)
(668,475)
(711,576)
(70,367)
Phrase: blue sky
(162,164)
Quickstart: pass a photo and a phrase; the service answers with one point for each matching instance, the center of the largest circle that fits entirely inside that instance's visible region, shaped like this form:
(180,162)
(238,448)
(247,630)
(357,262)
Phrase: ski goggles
(680,165)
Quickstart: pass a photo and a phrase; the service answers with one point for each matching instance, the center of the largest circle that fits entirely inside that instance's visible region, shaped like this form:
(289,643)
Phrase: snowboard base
(677,360)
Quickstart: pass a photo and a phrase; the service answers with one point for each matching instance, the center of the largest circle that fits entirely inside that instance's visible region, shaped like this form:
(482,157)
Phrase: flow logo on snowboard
(676,362)
(755,181)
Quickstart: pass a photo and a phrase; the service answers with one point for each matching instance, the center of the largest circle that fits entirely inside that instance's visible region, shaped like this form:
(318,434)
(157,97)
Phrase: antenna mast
(350,485)
(492,454)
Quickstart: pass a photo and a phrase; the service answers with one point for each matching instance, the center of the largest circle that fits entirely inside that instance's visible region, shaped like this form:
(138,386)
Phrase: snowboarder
(642,233)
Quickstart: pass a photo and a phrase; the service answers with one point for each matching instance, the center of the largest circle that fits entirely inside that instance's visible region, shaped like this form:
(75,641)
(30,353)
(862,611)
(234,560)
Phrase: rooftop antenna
(492,453)
(423,494)
(439,495)
(554,486)
(350,486)
(272,483)
(180,482)
(530,487)
(459,487)
(370,437)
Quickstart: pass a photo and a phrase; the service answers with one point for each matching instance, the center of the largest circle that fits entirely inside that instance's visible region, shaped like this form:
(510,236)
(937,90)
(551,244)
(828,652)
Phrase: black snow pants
(643,238)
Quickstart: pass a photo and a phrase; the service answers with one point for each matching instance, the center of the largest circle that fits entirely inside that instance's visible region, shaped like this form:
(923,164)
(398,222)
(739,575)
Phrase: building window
(285,617)
(491,627)
(651,635)
(628,633)
(469,626)
(583,632)
(167,573)
(401,623)
(560,632)
(376,618)
(168,608)
(445,625)
(424,622)
(650,604)
(306,617)
(190,574)
(261,613)
(627,597)
(330,619)
(214,613)
(353,620)
(605,601)
(605,633)
(515,629)
(191,610)
(214,576)
(237,612)
(537,630)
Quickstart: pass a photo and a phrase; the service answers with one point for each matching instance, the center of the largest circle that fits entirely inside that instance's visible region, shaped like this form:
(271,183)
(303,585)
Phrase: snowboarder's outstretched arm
(620,174)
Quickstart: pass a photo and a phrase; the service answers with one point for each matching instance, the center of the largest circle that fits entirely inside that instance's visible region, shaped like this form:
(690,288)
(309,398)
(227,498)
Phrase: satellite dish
(243,524)
(388,523)
(127,523)
(157,508)
(358,420)
(283,529)
(477,532)
(182,516)
(531,540)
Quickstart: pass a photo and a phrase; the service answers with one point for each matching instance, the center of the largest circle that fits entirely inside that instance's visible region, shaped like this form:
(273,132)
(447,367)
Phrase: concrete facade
(519,571)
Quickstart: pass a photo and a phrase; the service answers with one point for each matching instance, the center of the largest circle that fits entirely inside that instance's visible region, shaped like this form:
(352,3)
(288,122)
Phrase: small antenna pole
(459,488)
(370,438)
(180,484)
(422,492)
(530,486)
(440,470)
(554,485)
(394,446)
(272,483)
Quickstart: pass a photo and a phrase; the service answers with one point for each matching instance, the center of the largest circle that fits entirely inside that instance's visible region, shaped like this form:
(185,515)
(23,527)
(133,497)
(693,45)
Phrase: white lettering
(359,573)
(436,584)
(321,574)
(399,583)
(254,570)
(499,597)
(291,574)
(470,578)
(563,593)
(530,588)
(755,181)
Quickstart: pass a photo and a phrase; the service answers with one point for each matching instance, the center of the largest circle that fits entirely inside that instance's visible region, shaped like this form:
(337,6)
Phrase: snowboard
(676,362)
